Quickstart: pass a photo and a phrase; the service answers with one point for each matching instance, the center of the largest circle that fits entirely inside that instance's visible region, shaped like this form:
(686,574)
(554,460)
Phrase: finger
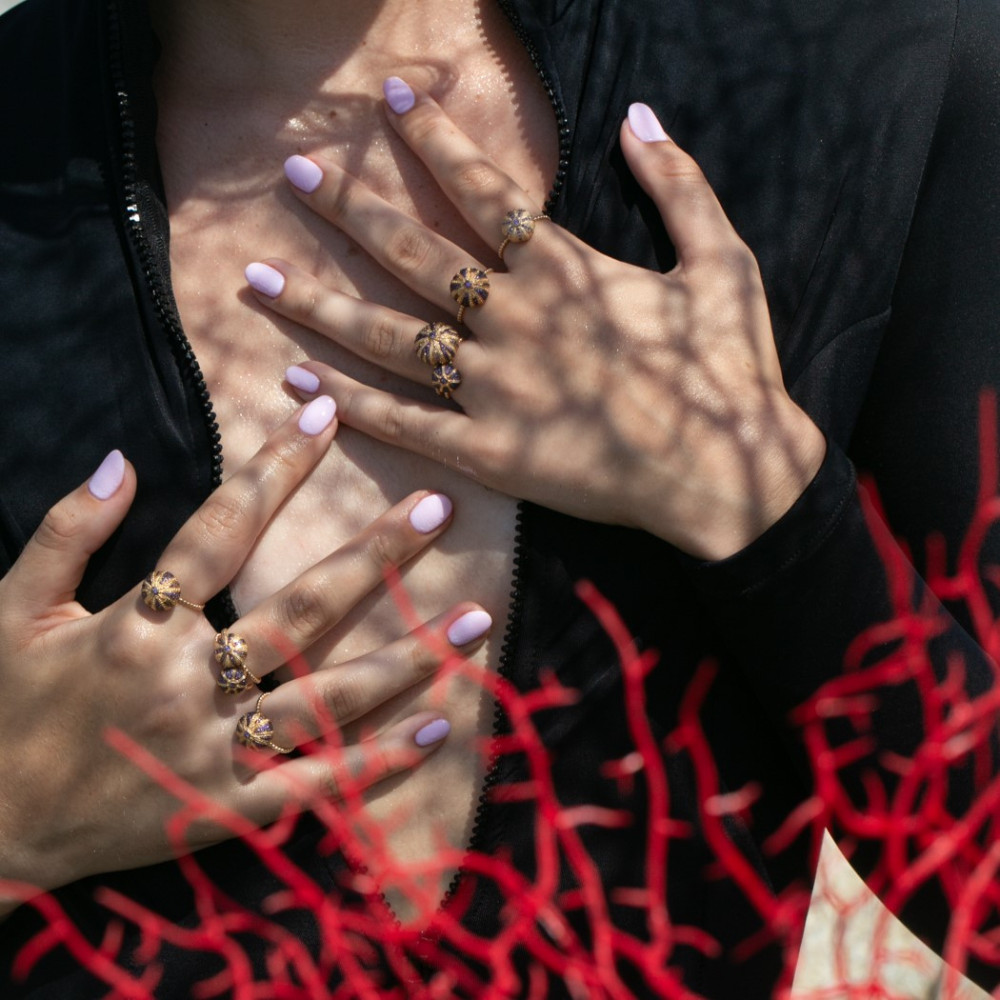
(690,210)
(477,187)
(211,546)
(377,334)
(333,772)
(322,702)
(445,436)
(49,570)
(420,258)
(285,625)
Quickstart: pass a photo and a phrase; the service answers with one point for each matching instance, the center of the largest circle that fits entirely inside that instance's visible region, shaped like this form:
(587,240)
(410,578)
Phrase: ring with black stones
(437,344)
(255,730)
(445,379)
(470,288)
(518,226)
(231,651)
(161,591)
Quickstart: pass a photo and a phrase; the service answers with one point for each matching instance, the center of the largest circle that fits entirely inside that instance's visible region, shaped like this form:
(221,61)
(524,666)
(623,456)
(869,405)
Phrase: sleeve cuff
(797,535)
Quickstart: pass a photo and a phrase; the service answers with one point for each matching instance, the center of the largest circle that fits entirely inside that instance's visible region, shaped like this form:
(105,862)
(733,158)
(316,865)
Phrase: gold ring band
(518,226)
(255,730)
(436,344)
(231,652)
(470,288)
(161,591)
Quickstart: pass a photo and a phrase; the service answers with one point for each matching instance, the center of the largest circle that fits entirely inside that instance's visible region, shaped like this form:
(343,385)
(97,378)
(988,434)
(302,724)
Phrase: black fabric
(854,144)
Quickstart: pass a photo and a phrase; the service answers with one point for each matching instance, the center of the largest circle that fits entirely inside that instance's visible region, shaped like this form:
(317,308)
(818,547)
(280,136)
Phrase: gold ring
(445,379)
(255,730)
(437,344)
(231,651)
(161,591)
(470,288)
(518,226)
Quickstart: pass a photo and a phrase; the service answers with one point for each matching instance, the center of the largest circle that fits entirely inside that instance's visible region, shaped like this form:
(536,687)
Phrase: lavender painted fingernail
(398,95)
(317,416)
(110,474)
(471,625)
(645,125)
(430,513)
(433,732)
(302,379)
(303,173)
(265,279)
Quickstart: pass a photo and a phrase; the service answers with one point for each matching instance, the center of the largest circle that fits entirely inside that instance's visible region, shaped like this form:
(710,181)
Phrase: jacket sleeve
(868,620)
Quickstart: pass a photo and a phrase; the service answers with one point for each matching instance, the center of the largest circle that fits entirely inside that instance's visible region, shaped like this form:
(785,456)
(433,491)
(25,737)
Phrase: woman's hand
(70,804)
(598,388)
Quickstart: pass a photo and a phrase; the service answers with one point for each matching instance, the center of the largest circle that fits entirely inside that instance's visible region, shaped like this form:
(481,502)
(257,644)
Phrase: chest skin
(221,154)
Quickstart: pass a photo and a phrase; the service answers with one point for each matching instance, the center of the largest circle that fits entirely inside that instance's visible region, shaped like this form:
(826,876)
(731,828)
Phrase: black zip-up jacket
(856,148)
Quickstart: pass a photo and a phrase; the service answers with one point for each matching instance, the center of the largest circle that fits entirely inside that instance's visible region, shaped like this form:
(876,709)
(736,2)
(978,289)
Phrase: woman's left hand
(600,389)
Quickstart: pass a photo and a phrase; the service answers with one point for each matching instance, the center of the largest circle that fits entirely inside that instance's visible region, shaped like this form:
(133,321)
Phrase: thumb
(48,571)
(692,214)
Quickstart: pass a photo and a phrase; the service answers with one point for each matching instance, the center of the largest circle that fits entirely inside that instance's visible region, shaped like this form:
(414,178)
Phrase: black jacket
(855,147)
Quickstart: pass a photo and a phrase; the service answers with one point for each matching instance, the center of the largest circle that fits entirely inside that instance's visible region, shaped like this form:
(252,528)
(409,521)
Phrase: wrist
(744,485)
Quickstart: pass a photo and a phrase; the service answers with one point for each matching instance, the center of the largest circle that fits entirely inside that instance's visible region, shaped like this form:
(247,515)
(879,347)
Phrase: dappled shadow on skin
(901,822)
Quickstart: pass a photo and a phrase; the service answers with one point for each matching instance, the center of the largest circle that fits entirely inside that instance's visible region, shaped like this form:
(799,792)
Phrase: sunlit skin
(241,88)
(238,95)
(698,445)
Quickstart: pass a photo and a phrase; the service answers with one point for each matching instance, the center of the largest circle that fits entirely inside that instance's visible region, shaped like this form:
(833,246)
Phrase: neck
(283,46)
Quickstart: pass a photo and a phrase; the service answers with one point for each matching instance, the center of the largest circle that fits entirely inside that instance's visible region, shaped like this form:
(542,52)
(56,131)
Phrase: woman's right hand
(70,804)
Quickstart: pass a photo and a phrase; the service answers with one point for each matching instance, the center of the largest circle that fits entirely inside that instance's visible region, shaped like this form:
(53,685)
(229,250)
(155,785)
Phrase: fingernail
(644,124)
(265,279)
(303,173)
(317,416)
(302,379)
(109,476)
(471,625)
(398,95)
(433,732)
(430,513)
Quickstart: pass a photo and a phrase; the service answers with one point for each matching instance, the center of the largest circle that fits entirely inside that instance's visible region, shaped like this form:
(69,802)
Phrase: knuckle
(281,458)
(304,612)
(379,338)
(59,527)
(382,550)
(409,249)
(425,126)
(341,200)
(220,516)
(475,178)
(330,783)
(343,700)
(387,418)
(377,761)
(306,304)
(420,661)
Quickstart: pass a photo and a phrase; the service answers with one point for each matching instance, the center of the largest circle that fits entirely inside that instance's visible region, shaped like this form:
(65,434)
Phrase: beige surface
(851,940)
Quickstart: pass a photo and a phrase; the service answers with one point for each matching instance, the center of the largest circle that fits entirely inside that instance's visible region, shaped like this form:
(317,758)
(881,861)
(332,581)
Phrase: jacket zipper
(191,370)
(222,607)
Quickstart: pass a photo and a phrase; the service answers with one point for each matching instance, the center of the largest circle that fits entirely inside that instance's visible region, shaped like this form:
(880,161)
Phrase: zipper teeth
(165,310)
(513,629)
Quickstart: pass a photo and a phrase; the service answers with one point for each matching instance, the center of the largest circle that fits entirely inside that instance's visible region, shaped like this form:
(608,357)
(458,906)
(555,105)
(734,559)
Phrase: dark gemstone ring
(255,730)
(161,591)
